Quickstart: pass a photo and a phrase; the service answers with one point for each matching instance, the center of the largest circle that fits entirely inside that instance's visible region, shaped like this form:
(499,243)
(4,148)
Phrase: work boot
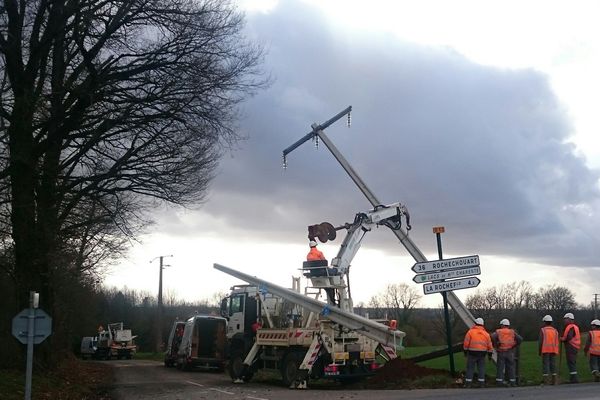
(554,379)
(596,376)
(574,379)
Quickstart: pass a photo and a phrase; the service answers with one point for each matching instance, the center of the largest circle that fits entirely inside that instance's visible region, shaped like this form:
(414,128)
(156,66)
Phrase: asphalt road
(140,379)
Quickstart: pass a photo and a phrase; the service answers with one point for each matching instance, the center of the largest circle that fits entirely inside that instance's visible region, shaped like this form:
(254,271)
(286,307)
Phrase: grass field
(530,368)
(150,356)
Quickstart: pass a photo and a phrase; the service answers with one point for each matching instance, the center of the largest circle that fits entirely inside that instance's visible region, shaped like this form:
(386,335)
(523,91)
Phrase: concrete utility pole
(596,305)
(158,337)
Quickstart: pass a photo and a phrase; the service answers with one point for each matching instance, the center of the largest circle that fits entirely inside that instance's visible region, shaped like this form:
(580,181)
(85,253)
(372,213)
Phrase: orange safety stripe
(595,343)
(576,339)
(506,339)
(549,340)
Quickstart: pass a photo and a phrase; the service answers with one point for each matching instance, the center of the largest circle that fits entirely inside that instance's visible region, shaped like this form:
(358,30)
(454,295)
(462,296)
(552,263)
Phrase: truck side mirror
(224,308)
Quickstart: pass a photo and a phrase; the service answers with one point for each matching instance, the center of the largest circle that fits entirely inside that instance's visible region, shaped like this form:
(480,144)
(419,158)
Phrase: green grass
(530,368)
(150,356)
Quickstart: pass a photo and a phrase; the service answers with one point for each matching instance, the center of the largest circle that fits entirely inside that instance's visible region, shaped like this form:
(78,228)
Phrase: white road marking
(255,398)
(194,383)
(220,391)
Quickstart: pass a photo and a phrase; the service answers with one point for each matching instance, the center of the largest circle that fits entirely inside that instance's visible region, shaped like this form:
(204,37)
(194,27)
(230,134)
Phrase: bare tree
(479,303)
(523,296)
(106,108)
(555,298)
(398,300)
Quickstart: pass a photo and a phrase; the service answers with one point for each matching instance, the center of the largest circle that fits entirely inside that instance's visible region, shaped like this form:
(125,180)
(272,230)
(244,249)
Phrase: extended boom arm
(457,305)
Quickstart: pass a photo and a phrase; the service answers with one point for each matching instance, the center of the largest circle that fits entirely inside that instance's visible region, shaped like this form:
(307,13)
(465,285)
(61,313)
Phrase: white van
(89,347)
(203,343)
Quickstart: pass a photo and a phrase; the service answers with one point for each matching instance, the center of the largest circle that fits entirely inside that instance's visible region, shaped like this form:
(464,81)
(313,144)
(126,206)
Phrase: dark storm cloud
(480,150)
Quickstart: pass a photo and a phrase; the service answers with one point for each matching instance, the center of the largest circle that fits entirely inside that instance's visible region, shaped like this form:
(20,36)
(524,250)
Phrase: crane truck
(115,342)
(317,135)
(271,327)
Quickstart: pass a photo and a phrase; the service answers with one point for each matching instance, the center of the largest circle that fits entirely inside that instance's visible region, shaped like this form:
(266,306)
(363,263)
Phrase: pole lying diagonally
(456,304)
(369,328)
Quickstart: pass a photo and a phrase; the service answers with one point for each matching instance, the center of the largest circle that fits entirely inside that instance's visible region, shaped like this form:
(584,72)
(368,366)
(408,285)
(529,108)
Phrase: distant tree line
(523,305)
(94,306)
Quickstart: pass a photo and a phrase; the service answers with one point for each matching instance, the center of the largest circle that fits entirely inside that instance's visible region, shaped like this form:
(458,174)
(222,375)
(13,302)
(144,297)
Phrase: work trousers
(506,360)
(594,363)
(571,353)
(475,359)
(549,364)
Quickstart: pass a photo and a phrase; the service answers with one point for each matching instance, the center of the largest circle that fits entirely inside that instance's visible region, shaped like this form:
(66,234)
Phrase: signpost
(438,272)
(446,264)
(445,286)
(42,325)
(438,276)
(31,326)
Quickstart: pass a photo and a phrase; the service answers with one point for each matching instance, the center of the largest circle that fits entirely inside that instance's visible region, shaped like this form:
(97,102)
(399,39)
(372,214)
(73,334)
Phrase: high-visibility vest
(477,339)
(506,339)
(314,254)
(576,339)
(549,340)
(595,343)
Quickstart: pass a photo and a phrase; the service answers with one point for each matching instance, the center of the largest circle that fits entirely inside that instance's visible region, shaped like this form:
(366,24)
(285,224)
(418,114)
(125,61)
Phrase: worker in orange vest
(592,347)
(314,253)
(548,349)
(476,345)
(505,341)
(572,340)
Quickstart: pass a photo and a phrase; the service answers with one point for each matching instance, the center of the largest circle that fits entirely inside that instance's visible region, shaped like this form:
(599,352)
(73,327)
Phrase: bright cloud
(476,117)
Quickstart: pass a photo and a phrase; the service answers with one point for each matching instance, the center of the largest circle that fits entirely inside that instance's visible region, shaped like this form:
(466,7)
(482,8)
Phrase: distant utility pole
(596,305)
(159,312)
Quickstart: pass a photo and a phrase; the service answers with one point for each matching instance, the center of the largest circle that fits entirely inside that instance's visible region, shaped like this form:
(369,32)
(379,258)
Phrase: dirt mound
(400,372)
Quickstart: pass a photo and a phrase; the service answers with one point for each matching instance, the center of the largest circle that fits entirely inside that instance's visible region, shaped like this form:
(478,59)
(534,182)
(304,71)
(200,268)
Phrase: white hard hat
(479,321)
(547,318)
(312,243)
(505,322)
(596,322)
(569,316)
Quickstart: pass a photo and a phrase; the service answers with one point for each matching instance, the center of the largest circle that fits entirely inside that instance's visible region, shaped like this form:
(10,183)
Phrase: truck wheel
(236,366)
(290,368)
(237,369)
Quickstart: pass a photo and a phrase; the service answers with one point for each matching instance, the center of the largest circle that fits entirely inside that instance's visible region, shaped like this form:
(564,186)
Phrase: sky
(477,116)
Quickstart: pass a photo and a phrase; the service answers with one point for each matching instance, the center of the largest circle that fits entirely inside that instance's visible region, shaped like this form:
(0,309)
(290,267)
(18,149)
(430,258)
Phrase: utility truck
(271,327)
(115,342)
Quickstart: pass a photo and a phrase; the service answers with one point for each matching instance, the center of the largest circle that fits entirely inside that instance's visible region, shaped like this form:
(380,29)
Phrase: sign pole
(30,338)
(438,230)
